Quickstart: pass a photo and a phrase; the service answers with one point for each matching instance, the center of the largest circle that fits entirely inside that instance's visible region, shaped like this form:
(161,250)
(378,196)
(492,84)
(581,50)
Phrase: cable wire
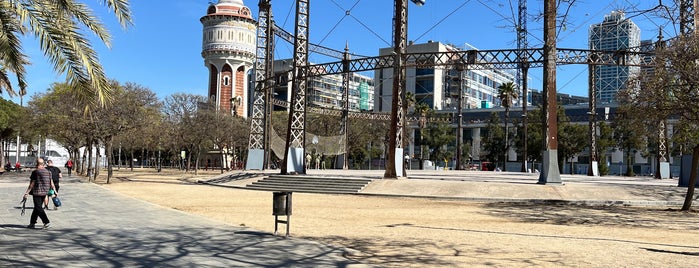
(442,20)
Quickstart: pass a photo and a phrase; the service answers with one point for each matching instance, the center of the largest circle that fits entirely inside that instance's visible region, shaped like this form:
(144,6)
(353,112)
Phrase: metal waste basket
(281,206)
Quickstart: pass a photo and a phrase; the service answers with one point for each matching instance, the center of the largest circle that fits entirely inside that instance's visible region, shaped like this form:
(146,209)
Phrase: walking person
(39,185)
(69,166)
(55,177)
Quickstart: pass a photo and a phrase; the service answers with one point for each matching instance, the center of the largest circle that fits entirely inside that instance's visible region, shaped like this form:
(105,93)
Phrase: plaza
(431,219)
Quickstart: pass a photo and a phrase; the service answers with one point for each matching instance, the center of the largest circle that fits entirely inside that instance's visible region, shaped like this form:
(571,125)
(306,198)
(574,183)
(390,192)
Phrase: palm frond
(84,15)
(66,47)
(11,58)
(121,10)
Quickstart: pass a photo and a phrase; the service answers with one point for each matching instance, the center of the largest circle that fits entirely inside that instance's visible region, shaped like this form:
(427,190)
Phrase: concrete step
(300,189)
(322,182)
(315,185)
(319,178)
(310,184)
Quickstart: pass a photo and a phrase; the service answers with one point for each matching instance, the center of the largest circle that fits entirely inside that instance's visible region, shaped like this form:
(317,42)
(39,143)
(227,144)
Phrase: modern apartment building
(326,90)
(434,86)
(616,32)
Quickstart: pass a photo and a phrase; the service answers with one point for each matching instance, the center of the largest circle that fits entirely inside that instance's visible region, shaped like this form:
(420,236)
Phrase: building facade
(435,86)
(616,32)
(228,48)
(326,90)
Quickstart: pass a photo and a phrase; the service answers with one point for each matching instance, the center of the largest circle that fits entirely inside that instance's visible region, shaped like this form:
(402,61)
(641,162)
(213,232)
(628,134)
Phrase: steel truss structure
(257,145)
(471,59)
(486,59)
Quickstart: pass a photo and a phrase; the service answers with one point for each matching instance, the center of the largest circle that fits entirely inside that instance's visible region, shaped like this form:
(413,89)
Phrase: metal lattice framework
(295,137)
(286,36)
(522,57)
(688,16)
(263,69)
(345,104)
(486,59)
(400,40)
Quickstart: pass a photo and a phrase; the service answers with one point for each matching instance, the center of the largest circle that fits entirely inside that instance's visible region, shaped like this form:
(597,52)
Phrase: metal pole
(592,119)
(459,118)
(296,130)
(258,146)
(550,172)
(345,102)
(393,167)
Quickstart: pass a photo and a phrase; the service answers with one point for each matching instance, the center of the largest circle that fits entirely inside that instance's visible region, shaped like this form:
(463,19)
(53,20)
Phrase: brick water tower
(228,49)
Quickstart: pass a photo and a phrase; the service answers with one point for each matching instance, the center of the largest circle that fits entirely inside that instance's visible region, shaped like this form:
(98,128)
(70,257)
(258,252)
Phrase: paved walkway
(100,228)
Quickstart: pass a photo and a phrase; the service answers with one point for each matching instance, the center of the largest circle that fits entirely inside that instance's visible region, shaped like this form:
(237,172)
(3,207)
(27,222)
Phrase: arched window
(226,81)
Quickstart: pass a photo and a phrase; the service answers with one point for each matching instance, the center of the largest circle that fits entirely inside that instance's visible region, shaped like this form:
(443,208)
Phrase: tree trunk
(572,165)
(76,160)
(223,158)
(143,156)
(98,159)
(507,137)
(108,149)
(629,167)
(89,160)
(692,180)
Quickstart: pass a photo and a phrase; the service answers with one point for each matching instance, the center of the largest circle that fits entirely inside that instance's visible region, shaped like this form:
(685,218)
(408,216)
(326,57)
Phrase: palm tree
(58,26)
(421,110)
(507,94)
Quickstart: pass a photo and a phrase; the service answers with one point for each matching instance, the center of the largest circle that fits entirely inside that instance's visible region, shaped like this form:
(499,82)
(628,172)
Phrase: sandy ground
(414,232)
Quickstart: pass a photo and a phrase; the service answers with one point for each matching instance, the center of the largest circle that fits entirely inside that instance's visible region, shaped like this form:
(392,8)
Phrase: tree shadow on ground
(654,192)
(578,214)
(161,247)
(430,253)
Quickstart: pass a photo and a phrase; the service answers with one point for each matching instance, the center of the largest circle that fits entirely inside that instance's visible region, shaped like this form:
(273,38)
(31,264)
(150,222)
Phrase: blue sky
(161,50)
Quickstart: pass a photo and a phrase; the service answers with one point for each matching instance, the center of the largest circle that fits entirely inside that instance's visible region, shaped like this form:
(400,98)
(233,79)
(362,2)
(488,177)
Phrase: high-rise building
(434,86)
(326,90)
(228,49)
(615,33)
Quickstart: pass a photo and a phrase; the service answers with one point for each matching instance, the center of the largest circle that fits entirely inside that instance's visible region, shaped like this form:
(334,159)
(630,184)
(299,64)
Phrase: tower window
(226,81)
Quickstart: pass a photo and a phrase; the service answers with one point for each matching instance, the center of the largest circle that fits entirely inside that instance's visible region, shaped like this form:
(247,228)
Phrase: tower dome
(228,48)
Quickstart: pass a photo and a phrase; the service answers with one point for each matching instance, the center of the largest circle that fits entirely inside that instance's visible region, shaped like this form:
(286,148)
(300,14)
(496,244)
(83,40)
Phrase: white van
(57,159)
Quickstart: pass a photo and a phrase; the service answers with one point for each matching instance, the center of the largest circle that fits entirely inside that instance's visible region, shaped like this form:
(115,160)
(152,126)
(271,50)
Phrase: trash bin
(281,204)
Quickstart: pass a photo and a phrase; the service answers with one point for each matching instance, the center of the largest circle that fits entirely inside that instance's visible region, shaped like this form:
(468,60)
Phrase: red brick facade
(240,88)
(226,88)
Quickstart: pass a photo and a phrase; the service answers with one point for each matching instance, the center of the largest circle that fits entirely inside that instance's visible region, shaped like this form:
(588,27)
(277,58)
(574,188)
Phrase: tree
(572,138)
(628,134)
(439,136)
(672,91)
(224,130)
(182,110)
(365,135)
(493,142)
(535,138)
(507,94)
(58,25)
(134,107)
(57,114)
(604,142)
(423,112)
(10,114)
